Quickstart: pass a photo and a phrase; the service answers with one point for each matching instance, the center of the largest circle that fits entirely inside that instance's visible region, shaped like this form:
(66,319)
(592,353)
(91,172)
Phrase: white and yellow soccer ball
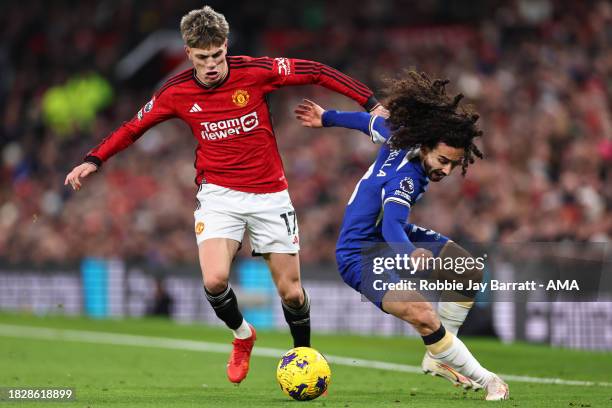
(303,373)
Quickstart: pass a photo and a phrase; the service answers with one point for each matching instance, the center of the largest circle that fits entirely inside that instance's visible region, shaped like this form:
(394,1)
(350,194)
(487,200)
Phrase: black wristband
(93,160)
(370,103)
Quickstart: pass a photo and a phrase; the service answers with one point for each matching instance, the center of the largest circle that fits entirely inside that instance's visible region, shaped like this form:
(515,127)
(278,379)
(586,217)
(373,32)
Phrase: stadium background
(539,72)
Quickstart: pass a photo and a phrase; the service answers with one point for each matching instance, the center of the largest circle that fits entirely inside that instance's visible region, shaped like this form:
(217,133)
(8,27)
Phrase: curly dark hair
(422,114)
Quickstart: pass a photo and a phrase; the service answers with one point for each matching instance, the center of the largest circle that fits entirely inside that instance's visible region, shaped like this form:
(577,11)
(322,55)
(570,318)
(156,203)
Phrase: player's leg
(458,363)
(219,228)
(416,313)
(216,255)
(454,307)
(274,233)
(441,344)
(285,269)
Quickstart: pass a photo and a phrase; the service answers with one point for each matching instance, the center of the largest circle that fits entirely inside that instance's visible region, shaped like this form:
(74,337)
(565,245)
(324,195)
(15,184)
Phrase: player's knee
(215,284)
(292,295)
(474,271)
(467,267)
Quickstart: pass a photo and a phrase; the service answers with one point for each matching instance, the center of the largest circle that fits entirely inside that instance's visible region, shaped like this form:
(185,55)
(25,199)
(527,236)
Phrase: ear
(187,51)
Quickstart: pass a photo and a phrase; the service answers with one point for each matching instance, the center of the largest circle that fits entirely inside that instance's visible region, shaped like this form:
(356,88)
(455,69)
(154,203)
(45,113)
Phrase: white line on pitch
(8,330)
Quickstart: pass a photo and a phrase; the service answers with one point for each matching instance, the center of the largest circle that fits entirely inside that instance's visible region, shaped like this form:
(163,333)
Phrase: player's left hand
(309,114)
(380,110)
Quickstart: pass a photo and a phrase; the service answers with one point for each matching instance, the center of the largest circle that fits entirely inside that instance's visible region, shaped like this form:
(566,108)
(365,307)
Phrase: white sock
(243,332)
(453,314)
(459,357)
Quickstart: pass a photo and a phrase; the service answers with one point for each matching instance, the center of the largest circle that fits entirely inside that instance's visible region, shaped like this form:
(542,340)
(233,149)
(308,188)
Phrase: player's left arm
(312,115)
(291,71)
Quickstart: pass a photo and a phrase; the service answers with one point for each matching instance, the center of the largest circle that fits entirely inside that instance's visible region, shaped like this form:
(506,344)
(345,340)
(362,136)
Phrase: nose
(446,169)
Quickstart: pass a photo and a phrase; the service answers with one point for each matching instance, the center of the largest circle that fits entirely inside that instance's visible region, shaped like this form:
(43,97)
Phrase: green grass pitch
(120,375)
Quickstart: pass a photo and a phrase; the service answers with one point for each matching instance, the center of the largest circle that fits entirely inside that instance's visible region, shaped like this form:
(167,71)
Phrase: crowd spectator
(539,72)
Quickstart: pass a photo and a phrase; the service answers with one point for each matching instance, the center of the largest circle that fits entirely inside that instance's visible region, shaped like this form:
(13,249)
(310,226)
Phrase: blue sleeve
(395,218)
(403,189)
(400,193)
(373,126)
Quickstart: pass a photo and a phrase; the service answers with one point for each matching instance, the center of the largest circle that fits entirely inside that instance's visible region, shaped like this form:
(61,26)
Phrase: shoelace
(242,348)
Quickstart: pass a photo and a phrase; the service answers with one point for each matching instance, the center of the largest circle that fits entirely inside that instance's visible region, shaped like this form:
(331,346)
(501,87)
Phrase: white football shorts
(269,218)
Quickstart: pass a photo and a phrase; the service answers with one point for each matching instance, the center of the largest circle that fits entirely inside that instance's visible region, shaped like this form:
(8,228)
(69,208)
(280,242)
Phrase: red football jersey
(231,120)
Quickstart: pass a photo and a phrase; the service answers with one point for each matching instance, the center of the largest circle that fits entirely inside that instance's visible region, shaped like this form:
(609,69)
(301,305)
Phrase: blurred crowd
(539,72)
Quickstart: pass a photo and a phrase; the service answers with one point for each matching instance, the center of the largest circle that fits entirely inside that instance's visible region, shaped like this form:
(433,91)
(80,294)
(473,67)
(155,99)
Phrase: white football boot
(436,368)
(497,389)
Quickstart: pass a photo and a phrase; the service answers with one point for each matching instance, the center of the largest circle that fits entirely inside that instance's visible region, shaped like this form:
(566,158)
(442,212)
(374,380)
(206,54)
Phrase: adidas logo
(195,108)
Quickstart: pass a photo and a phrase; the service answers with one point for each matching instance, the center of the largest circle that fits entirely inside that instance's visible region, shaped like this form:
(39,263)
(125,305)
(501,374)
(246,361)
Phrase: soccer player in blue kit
(425,137)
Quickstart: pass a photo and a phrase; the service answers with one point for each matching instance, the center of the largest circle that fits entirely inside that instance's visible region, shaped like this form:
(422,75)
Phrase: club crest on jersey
(240,97)
(407,185)
(199,228)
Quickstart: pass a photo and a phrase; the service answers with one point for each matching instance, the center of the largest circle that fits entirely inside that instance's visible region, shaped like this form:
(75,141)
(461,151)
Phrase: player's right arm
(312,115)
(158,109)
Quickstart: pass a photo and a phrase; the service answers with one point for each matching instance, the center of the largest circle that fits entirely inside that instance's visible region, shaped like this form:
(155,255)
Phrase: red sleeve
(158,109)
(290,71)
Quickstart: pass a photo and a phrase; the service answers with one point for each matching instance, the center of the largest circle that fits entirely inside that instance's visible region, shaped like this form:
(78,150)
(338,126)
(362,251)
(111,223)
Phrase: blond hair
(204,28)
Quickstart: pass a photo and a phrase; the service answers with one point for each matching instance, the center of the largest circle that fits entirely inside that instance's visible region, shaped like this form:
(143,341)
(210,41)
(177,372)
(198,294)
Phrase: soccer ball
(303,373)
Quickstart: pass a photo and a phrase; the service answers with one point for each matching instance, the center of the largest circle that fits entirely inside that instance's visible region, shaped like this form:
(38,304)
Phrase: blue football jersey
(396,176)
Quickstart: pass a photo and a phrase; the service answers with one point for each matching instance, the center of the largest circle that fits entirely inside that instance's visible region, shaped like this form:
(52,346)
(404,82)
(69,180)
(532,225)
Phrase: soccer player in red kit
(242,184)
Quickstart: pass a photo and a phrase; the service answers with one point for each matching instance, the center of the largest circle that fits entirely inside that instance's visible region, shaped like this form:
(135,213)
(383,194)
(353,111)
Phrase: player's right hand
(380,110)
(309,114)
(81,171)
